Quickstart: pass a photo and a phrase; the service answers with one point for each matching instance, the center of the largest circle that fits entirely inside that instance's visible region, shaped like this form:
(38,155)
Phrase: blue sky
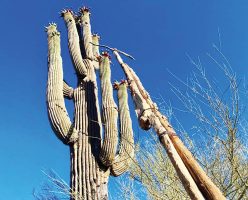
(157,33)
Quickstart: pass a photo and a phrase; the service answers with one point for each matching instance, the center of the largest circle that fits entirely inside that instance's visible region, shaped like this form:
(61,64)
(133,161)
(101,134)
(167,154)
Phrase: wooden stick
(114,49)
(143,112)
(204,183)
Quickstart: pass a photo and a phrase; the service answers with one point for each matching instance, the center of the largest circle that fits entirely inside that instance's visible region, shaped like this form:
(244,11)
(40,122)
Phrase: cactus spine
(93,157)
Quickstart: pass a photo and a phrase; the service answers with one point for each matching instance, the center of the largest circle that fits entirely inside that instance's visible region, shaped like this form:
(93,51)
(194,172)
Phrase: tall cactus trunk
(87,180)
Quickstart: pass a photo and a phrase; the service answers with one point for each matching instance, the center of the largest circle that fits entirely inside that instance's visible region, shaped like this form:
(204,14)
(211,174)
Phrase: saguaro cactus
(93,157)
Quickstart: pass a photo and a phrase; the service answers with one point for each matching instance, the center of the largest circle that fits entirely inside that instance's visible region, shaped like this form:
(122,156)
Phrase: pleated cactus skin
(126,152)
(93,154)
(109,113)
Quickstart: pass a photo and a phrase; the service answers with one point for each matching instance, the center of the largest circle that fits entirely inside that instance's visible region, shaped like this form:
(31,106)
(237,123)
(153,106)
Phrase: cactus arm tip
(66,11)
(84,9)
(51,28)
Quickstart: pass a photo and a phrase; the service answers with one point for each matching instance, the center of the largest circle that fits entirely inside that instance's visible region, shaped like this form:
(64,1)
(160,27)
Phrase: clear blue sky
(157,33)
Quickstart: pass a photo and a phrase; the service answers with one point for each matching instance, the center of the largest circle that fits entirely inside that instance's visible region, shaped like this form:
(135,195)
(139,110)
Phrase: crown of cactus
(93,156)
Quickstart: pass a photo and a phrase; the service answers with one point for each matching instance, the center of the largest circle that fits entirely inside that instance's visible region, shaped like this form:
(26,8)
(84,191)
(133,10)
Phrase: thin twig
(114,49)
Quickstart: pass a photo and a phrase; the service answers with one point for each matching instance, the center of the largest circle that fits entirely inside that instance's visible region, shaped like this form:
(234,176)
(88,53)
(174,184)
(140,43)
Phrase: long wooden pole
(208,189)
(148,119)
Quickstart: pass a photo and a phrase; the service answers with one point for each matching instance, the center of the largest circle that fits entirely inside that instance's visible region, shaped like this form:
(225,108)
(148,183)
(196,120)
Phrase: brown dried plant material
(194,179)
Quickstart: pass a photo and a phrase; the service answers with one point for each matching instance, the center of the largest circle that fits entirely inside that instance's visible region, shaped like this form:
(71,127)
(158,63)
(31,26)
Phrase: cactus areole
(93,156)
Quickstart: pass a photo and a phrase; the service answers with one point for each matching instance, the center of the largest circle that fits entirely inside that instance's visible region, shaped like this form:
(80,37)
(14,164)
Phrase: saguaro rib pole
(149,119)
(203,182)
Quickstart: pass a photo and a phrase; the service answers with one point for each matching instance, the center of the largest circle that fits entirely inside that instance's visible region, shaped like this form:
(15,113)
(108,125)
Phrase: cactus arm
(109,113)
(95,49)
(126,152)
(58,115)
(86,29)
(80,35)
(73,43)
(67,91)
